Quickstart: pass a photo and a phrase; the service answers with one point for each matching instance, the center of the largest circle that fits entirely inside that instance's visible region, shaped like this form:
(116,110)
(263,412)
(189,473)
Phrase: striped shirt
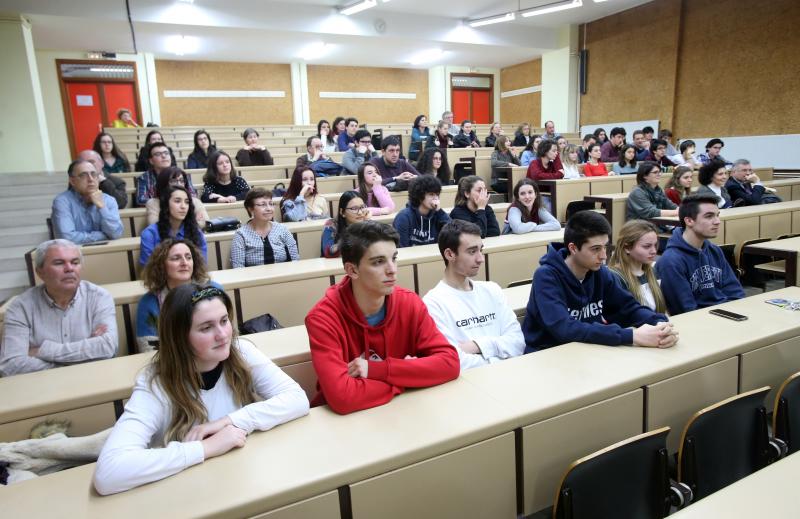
(249,249)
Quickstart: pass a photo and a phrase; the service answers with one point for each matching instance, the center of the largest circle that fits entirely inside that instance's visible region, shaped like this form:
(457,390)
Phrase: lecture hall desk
(430,443)
(786,249)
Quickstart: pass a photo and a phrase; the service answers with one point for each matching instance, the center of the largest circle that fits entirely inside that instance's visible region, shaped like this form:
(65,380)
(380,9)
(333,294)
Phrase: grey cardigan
(645,202)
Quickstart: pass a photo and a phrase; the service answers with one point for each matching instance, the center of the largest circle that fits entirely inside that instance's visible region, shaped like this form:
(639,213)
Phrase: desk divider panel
(83,422)
(303,373)
(770,366)
(288,302)
(740,230)
(325,506)
(774,225)
(513,265)
(611,186)
(674,400)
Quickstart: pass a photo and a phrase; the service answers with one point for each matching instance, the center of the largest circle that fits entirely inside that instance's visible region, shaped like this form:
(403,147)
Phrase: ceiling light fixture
(489,20)
(357,7)
(599,1)
(552,8)
(181,45)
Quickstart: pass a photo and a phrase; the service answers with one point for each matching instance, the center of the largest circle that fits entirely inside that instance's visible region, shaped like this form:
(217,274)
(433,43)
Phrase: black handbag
(262,323)
(223,223)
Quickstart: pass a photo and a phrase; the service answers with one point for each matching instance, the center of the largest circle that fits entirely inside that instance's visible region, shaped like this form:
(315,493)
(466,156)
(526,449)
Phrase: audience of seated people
(472,205)
(221,183)
(352,209)
(114,160)
(712,178)
(495,131)
(526,214)
(523,135)
(109,184)
(203,149)
(503,156)
(143,162)
(325,135)
(713,149)
(362,152)
(594,166)
(125,119)
(440,137)
(338,129)
(176,219)
(83,213)
(745,188)
(253,153)
(466,137)
(453,129)
(396,172)
(547,164)
(433,161)
(374,194)
(600,136)
(419,134)
(421,220)
(347,138)
(474,316)
(666,135)
(550,131)
(647,200)
(159,156)
(610,150)
(658,154)
(316,159)
(569,162)
(583,151)
(261,241)
(640,145)
(627,163)
(529,153)
(633,261)
(62,321)
(174,177)
(686,156)
(302,200)
(680,184)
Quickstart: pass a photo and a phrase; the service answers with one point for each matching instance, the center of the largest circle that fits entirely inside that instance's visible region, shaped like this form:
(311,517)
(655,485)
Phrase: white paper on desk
(84,100)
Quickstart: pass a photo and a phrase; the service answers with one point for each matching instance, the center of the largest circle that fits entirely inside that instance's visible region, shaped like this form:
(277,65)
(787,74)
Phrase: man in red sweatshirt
(369,339)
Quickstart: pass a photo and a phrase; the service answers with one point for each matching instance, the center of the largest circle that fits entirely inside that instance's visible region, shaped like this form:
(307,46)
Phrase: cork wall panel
(631,67)
(521,75)
(213,75)
(739,69)
(323,78)
(523,108)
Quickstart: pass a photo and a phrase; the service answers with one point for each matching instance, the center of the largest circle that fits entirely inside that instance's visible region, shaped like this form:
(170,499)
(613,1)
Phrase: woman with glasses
(171,177)
(352,209)
(647,200)
(261,241)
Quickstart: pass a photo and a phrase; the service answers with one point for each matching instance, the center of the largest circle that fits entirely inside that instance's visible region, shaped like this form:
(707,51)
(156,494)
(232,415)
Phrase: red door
(86,114)
(461,106)
(481,113)
(474,105)
(116,96)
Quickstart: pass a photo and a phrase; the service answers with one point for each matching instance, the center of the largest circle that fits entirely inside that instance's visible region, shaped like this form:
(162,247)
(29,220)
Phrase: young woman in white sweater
(203,393)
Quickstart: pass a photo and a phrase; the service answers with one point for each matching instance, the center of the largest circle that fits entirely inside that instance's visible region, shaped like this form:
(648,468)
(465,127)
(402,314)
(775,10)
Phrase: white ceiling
(279,31)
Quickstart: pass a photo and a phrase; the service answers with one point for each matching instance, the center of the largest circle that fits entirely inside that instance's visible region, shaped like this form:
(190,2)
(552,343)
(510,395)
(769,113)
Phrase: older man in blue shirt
(83,213)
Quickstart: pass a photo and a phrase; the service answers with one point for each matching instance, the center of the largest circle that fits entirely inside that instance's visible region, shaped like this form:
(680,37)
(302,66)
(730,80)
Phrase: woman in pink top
(593,167)
(547,165)
(372,192)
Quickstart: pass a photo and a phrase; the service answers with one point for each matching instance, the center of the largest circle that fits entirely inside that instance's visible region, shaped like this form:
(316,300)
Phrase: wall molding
(224,93)
(367,95)
(521,91)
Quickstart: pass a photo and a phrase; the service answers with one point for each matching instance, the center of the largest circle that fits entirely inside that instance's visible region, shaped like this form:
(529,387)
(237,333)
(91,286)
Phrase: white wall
(439,89)
(560,82)
(763,151)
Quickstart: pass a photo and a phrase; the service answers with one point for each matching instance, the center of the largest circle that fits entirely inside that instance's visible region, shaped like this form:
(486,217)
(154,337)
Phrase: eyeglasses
(87,174)
(358,209)
(161,154)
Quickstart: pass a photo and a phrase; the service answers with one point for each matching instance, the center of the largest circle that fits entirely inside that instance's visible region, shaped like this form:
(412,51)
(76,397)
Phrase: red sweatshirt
(339,333)
(553,171)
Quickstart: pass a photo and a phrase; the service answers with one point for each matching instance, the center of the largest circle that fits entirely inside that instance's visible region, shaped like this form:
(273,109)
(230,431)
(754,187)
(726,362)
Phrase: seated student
(712,178)
(175,177)
(200,397)
(633,260)
(362,152)
(433,161)
(609,151)
(377,197)
(640,145)
(109,184)
(647,199)
(347,138)
(125,119)
(221,183)
(159,155)
(143,162)
(495,131)
(261,241)
(569,162)
(686,156)
(173,263)
(627,164)
(523,135)
(583,151)
(441,137)
(352,209)
(420,131)
(337,129)
(62,321)
(203,149)
(302,200)
(324,134)
(83,213)
(253,153)
(526,213)
(474,316)
(550,131)
(658,154)
(422,219)
(648,131)
(317,160)
(395,172)
(114,160)
(529,153)
(472,205)
(593,167)
(745,188)
(369,339)
(680,185)
(600,136)
(698,273)
(713,149)
(561,143)
(547,165)
(503,156)
(466,137)
(576,297)
(175,220)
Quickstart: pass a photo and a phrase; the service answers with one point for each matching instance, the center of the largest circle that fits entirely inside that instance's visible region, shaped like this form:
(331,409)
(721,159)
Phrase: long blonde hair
(174,366)
(622,263)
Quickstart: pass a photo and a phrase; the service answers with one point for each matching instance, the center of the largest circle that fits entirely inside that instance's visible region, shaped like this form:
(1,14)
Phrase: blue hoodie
(415,229)
(563,309)
(692,278)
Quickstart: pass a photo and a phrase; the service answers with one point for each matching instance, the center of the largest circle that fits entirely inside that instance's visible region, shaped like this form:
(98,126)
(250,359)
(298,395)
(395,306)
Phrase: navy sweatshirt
(563,309)
(483,218)
(692,278)
(415,229)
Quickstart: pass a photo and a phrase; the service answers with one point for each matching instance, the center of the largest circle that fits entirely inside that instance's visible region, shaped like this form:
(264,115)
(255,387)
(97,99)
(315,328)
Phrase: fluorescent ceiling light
(181,45)
(480,22)
(599,1)
(426,56)
(357,7)
(552,8)
(186,1)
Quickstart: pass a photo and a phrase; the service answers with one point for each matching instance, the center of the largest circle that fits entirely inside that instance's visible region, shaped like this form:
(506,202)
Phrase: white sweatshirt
(134,454)
(481,315)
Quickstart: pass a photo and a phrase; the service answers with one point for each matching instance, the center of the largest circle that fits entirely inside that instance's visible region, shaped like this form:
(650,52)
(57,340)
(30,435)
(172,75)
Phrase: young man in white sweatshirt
(474,316)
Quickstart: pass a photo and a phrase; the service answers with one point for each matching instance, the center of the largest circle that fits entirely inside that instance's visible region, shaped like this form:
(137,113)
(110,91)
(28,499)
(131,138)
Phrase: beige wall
(215,75)
(323,78)
(524,107)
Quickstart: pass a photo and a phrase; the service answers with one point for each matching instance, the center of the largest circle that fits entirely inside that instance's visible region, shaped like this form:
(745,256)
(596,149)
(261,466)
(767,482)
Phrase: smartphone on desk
(728,315)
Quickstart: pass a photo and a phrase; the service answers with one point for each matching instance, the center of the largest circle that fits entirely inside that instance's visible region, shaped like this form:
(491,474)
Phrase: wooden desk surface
(770,492)
(734,213)
(786,245)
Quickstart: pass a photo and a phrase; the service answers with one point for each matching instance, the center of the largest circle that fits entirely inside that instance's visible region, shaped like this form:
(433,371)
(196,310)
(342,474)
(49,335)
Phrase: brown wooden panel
(526,107)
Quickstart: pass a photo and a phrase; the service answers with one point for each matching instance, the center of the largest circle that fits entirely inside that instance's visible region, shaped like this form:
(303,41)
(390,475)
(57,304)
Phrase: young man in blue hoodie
(419,223)
(694,271)
(576,298)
